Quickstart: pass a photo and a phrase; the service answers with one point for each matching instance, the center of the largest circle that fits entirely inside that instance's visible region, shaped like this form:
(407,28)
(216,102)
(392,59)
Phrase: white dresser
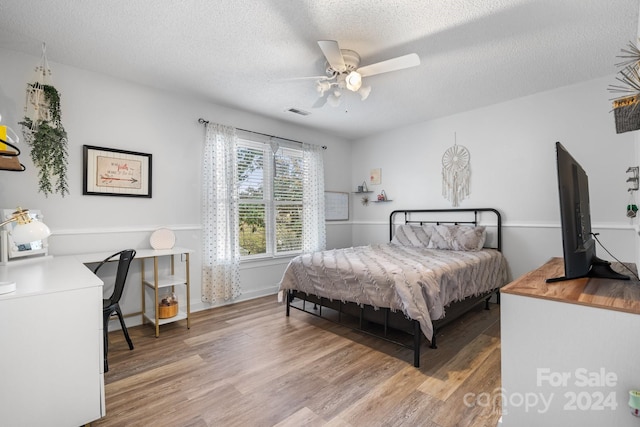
(51,359)
(569,350)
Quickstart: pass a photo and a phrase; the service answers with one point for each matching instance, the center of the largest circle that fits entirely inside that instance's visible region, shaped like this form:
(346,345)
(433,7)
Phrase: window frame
(268,197)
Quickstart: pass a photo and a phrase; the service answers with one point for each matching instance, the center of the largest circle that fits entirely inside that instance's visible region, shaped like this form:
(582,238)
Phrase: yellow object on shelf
(3,136)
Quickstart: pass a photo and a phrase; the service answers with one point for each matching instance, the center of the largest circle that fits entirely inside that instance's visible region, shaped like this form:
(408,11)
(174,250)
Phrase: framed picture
(375,177)
(111,172)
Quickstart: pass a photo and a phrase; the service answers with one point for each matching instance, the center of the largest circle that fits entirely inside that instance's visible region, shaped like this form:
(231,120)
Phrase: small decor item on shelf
(382,197)
(168,306)
(634,402)
(625,108)
(363,188)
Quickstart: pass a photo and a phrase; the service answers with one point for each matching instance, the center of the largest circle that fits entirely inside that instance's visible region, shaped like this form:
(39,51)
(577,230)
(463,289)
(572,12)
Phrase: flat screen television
(578,243)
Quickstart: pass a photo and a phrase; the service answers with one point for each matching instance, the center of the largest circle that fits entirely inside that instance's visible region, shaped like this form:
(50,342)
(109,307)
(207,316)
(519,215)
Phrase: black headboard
(477,216)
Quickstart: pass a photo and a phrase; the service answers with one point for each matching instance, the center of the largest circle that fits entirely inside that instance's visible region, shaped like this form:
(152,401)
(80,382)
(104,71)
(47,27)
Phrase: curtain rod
(206,122)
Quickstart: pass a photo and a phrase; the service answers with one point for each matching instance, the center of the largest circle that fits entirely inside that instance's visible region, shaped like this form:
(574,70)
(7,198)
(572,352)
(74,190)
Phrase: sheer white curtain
(220,252)
(313,229)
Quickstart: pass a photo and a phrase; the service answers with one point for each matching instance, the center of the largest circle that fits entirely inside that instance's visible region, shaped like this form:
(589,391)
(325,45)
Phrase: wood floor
(248,364)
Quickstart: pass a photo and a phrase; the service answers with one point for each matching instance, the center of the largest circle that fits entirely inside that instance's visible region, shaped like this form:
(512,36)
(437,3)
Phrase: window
(239,182)
(270,194)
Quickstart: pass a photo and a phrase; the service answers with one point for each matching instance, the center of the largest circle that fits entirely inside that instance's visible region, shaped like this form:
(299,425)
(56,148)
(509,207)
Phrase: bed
(438,265)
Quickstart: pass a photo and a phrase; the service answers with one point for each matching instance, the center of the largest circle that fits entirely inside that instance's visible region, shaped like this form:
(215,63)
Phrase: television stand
(572,344)
(600,269)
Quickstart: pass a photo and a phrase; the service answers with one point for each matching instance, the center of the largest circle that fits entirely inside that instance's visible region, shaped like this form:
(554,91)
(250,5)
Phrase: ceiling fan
(344,72)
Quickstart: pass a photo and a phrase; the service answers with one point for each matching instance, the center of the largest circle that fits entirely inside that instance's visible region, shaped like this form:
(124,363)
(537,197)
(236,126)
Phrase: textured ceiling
(248,54)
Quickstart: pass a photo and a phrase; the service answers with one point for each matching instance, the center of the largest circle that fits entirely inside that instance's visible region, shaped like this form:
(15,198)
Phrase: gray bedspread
(419,282)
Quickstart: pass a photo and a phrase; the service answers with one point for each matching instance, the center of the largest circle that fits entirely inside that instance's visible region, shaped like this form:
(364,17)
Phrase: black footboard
(383,323)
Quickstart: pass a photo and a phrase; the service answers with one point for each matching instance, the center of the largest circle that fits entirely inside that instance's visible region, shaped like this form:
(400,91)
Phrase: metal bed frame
(389,320)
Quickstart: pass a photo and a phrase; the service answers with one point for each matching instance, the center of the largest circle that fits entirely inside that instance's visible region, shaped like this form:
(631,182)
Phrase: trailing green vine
(48,142)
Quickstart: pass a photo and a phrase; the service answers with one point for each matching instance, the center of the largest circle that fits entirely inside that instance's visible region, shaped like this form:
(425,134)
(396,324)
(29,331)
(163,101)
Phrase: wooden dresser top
(621,295)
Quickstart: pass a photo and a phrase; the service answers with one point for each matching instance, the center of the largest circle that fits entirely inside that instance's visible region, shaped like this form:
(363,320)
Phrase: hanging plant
(47,138)
(43,131)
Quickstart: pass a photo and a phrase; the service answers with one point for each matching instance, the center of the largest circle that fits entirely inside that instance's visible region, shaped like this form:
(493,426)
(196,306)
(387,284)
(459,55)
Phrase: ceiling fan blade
(320,102)
(399,63)
(291,79)
(331,51)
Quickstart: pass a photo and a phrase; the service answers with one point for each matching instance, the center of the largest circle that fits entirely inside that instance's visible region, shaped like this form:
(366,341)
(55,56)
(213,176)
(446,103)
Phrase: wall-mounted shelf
(362,192)
(382,198)
(634,179)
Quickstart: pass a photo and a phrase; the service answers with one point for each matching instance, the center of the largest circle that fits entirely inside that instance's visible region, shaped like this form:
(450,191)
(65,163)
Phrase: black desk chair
(111,305)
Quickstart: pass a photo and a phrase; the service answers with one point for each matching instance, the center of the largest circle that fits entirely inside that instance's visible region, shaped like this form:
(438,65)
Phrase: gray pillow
(412,235)
(457,237)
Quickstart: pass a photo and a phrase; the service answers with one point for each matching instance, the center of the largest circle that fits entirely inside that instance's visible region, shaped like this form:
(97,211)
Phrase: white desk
(158,281)
(51,356)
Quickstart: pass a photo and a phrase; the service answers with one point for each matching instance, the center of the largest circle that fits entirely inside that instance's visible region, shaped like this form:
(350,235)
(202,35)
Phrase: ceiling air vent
(297,111)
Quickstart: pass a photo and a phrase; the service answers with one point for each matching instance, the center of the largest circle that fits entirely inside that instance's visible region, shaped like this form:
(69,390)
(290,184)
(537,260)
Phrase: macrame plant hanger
(36,106)
(456,173)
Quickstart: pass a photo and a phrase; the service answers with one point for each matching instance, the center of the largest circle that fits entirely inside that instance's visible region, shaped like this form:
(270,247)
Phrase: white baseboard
(136,320)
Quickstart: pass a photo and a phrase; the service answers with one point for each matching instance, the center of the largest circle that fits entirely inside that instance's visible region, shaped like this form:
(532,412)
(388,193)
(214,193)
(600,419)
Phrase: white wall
(513,169)
(512,160)
(107,112)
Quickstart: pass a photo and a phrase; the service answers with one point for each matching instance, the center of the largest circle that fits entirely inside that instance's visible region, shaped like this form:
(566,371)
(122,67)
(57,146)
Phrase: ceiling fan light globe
(364,92)
(353,81)
(322,87)
(334,98)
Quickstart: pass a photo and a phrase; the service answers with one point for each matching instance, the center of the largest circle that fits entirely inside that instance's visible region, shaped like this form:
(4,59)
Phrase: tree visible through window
(270,190)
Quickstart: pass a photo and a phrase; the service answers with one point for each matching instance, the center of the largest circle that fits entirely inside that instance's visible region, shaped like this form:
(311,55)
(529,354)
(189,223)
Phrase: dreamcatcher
(456,174)
(37,107)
